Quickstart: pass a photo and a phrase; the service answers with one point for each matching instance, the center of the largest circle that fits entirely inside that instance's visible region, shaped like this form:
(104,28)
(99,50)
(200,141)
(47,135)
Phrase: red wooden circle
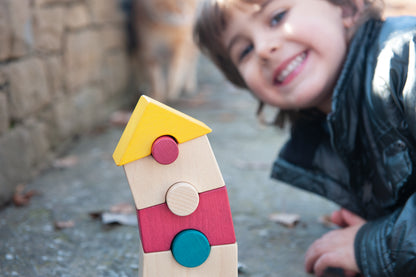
(165,150)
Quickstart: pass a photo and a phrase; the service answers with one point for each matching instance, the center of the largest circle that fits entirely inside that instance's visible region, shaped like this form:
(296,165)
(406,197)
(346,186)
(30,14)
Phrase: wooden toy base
(222,262)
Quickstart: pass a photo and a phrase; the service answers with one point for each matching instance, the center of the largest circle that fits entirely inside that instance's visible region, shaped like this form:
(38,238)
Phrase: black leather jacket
(362,155)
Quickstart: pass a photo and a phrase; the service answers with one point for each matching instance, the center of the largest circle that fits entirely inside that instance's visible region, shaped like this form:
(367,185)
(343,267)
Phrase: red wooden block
(158,225)
(165,150)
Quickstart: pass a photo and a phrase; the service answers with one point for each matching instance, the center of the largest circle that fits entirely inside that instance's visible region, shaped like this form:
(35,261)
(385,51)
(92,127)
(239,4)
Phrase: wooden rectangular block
(222,262)
(158,225)
(196,164)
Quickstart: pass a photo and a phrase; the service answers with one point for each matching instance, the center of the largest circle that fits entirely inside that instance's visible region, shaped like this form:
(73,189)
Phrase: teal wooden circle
(190,248)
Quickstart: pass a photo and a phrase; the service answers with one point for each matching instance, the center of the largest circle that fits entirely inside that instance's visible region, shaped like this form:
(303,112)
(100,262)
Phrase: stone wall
(63,69)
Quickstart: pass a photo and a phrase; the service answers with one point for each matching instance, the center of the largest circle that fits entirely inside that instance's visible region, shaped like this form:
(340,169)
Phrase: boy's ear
(351,13)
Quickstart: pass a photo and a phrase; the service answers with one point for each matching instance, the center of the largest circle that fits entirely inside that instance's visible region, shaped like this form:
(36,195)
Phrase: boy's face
(289,52)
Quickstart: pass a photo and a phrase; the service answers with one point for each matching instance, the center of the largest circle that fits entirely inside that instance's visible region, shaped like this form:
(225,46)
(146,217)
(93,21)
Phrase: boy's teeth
(290,67)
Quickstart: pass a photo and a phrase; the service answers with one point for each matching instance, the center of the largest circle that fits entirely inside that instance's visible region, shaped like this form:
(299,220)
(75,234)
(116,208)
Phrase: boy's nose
(266,49)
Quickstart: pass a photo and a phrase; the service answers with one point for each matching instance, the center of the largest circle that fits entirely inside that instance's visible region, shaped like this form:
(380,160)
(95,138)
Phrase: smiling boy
(287,52)
(346,80)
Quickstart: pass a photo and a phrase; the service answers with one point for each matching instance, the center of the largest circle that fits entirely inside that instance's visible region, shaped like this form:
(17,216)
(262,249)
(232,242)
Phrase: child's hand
(336,248)
(345,218)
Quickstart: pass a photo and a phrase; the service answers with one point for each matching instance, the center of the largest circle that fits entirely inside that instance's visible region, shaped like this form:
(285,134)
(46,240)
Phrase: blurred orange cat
(166,54)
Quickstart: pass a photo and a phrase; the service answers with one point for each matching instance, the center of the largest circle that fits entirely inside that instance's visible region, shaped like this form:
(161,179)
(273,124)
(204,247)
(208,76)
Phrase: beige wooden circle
(182,199)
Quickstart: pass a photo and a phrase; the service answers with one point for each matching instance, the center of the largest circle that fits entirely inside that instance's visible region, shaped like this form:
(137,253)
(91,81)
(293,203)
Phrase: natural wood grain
(222,262)
(158,225)
(182,199)
(149,181)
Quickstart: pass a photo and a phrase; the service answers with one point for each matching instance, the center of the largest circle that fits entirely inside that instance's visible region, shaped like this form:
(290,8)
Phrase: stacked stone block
(63,69)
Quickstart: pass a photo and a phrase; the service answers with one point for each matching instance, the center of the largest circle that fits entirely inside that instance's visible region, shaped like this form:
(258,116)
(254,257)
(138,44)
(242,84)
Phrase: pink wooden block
(165,150)
(158,225)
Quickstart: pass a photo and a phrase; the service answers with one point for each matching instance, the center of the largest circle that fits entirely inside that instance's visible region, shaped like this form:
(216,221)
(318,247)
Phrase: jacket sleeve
(393,70)
(409,90)
(387,247)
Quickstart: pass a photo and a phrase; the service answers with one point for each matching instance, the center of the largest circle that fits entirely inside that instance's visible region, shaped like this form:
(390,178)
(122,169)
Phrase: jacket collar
(349,89)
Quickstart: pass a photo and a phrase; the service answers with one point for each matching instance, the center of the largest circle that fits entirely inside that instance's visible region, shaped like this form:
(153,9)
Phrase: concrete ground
(34,242)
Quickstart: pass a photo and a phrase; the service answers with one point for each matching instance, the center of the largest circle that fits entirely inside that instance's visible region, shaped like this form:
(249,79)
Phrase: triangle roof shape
(150,120)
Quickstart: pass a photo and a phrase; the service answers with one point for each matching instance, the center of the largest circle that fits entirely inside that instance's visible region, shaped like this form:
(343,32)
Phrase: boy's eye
(277,18)
(245,52)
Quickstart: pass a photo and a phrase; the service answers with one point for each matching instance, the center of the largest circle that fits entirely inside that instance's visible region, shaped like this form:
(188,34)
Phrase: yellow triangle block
(150,120)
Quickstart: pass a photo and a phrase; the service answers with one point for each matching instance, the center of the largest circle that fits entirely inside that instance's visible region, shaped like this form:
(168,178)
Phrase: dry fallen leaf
(194,102)
(123,208)
(22,197)
(288,220)
(122,213)
(326,221)
(59,225)
(66,162)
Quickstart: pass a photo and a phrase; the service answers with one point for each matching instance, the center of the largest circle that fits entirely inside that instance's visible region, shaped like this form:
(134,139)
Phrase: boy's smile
(289,52)
(290,68)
